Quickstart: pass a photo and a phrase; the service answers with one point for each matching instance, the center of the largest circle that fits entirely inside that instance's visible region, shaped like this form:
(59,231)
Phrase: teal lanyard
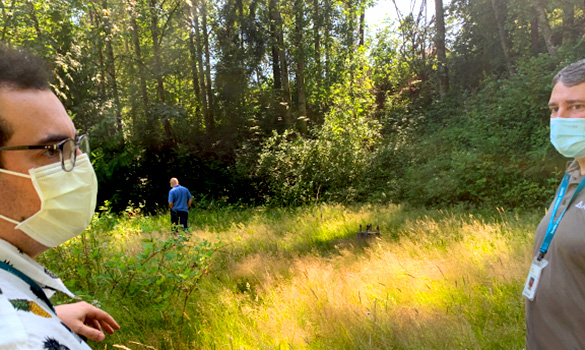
(553,225)
(35,288)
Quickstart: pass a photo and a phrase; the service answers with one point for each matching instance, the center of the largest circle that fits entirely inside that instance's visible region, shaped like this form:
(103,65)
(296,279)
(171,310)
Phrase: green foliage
(129,260)
(330,165)
(492,148)
(450,278)
(128,73)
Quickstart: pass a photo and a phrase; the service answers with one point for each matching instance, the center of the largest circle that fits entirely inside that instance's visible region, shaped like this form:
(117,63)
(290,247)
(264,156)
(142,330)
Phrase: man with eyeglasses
(47,196)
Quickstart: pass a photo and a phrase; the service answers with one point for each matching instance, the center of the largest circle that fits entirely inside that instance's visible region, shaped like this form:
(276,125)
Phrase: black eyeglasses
(67,149)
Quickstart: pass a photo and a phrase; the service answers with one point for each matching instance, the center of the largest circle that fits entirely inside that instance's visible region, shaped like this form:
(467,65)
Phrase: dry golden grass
(301,279)
(445,281)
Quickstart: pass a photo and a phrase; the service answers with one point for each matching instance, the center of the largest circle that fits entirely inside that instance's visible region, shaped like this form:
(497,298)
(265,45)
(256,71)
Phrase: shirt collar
(574,169)
(25,264)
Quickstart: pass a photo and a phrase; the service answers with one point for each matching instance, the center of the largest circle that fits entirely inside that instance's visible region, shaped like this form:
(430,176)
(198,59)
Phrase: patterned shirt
(27,318)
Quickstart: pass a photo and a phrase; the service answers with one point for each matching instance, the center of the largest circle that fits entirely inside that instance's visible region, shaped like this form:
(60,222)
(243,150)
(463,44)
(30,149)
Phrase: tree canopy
(275,102)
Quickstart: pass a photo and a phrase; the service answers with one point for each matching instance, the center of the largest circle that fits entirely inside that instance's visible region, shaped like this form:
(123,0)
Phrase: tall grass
(301,279)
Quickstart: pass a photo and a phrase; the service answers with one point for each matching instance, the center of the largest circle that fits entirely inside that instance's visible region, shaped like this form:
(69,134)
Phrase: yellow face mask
(68,201)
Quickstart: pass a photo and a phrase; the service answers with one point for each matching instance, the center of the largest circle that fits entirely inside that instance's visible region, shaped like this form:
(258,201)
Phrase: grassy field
(301,279)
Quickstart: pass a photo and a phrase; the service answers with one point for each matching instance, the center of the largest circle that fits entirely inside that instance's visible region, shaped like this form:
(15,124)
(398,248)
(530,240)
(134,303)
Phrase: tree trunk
(6,19)
(160,89)
(138,53)
(97,51)
(441,50)
(277,85)
(194,70)
(568,20)
(545,27)
(285,91)
(34,19)
(210,118)
(275,51)
(300,73)
(156,51)
(111,65)
(240,10)
(201,71)
(317,24)
(328,25)
(351,27)
(534,37)
(503,38)
(362,29)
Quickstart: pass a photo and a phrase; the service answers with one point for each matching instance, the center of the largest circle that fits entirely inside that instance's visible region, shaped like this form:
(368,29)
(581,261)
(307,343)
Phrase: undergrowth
(299,278)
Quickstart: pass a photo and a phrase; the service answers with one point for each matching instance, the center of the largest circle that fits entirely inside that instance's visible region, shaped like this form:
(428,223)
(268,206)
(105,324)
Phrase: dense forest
(270,102)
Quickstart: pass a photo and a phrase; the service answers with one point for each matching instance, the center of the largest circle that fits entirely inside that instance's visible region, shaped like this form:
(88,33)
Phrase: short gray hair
(571,75)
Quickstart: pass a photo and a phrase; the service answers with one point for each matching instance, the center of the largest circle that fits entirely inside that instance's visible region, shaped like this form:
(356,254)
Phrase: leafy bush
(491,148)
(331,163)
(130,261)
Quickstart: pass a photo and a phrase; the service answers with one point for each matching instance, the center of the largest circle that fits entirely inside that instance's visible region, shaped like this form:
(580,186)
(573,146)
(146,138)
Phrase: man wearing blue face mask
(555,286)
(48,190)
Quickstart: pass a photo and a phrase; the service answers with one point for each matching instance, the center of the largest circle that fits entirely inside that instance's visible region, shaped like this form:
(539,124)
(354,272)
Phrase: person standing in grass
(555,286)
(48,192)
(180,200)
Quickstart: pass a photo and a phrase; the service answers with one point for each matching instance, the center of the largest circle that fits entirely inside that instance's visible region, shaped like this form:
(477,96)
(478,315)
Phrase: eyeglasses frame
(57,146)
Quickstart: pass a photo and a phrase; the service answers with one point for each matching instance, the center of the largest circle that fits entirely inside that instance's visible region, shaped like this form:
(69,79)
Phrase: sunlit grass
(435,279)
(301,279)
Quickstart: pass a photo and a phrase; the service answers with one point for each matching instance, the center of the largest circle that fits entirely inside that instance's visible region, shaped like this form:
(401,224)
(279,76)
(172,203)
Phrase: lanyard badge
(533,278)
(539,263)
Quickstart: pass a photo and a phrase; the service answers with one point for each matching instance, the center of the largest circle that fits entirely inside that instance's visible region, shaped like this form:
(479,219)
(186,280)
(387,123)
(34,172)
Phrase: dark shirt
(555,319)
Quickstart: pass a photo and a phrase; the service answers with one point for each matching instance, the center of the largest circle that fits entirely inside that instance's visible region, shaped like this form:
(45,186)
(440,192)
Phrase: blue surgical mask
(568,136)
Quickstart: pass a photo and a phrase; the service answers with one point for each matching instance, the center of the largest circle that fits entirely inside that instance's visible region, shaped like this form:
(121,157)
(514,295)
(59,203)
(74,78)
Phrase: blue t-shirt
(179,196)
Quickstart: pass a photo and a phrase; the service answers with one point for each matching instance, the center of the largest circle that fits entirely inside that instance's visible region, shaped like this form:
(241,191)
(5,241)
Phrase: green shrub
(128,262)
(491,148)
(330,163)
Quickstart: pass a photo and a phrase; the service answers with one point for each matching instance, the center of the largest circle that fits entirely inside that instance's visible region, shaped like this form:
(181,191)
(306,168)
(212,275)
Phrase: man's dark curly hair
(20,69)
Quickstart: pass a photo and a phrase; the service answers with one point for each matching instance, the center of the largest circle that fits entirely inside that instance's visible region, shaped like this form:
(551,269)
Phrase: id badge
(533,278)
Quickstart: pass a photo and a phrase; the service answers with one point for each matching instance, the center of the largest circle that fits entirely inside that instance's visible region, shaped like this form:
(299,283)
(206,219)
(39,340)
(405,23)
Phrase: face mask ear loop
(9,219)
(10,172)
(16,174)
